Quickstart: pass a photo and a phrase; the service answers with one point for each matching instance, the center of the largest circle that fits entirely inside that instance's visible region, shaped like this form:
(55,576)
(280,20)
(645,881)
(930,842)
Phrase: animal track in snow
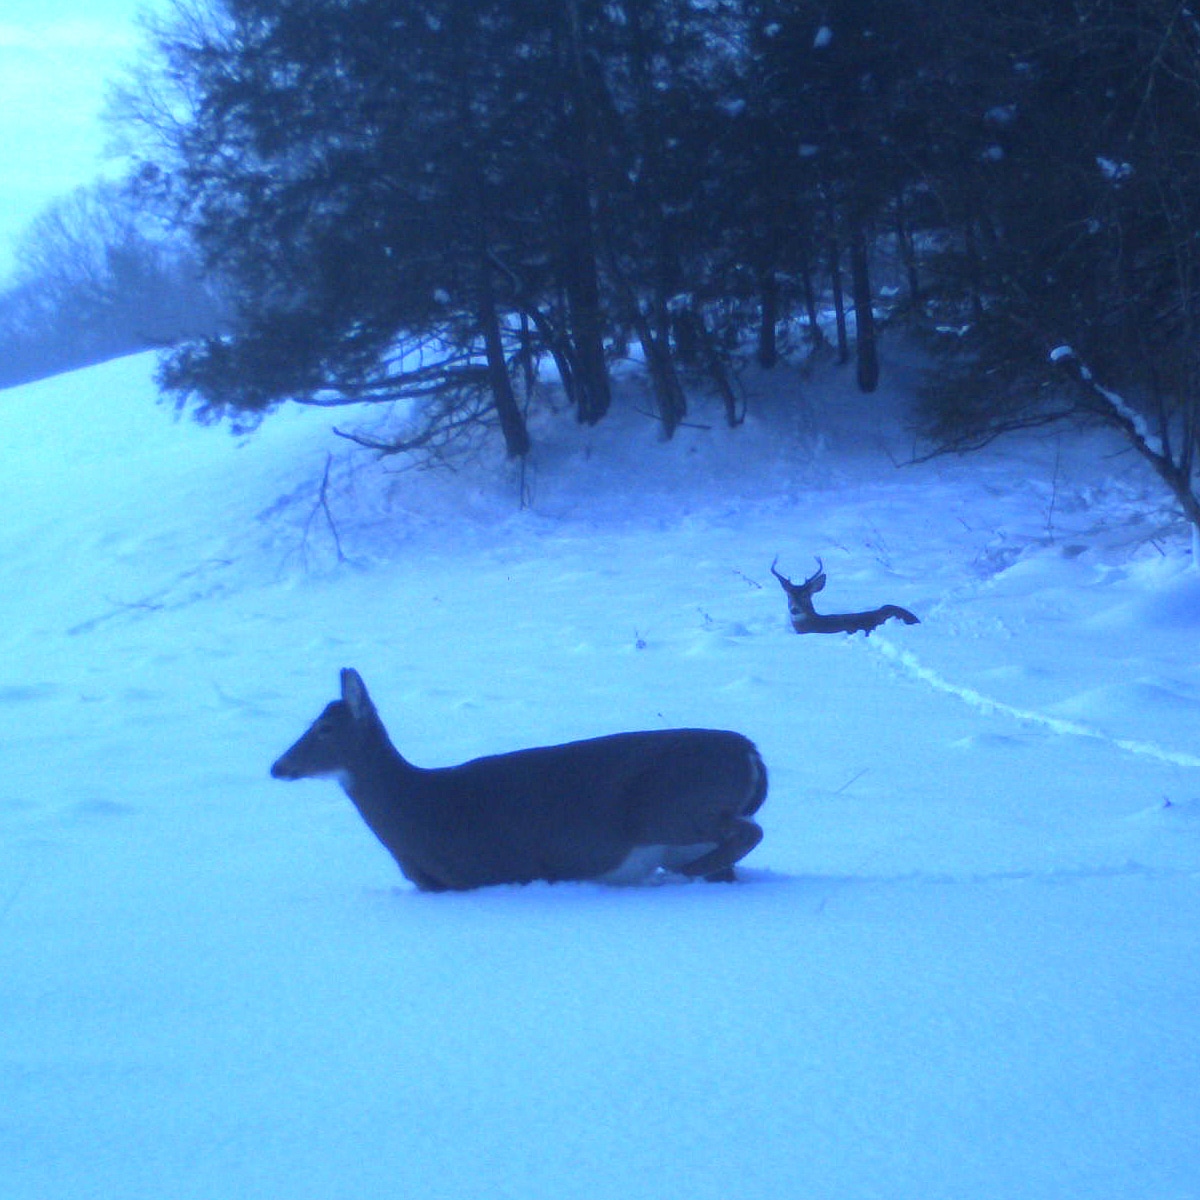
(911,666)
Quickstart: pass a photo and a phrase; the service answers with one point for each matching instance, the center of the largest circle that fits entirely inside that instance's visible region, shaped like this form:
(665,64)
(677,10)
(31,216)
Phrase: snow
(962,962)
(1114,171)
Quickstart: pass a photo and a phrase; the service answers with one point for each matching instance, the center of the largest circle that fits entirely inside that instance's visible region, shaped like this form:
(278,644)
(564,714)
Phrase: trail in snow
(911,666)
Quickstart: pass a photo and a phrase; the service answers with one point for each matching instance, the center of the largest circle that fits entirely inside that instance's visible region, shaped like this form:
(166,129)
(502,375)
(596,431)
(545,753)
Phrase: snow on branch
(1121,410)
(1176,469)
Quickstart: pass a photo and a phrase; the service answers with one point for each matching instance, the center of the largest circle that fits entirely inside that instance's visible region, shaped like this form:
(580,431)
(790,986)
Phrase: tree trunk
(669,398)
(815,336)
(527,358)
(907,255)
(974,269)
(839,301)
(768,348)
(866,353)
(577,252)
(581,283)
(735,414)
(512,422)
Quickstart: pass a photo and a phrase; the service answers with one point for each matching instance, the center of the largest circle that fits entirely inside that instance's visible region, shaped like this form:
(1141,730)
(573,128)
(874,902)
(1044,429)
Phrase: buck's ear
(354,694)
(817,582)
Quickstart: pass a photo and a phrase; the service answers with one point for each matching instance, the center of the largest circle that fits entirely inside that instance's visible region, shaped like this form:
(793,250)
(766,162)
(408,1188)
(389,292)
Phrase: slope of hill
(962,962)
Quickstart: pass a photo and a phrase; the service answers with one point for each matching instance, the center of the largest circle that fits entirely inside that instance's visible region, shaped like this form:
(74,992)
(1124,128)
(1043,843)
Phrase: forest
(443,202)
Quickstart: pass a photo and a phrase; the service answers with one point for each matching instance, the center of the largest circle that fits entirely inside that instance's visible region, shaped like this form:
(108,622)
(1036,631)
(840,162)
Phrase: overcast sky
(56,60)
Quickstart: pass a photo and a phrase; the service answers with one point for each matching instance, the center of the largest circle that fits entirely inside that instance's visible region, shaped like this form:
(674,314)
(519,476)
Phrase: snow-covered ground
(964,961)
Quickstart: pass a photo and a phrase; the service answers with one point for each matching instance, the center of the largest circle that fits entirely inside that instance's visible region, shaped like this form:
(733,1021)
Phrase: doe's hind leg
(717,865)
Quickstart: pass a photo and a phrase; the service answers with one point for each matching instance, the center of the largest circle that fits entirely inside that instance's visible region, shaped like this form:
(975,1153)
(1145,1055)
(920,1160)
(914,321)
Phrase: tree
(334,163)
(1076,288)
(837,105)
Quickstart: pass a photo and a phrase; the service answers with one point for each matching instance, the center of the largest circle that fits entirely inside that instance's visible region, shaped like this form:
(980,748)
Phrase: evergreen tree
(336,166)
(1074,287)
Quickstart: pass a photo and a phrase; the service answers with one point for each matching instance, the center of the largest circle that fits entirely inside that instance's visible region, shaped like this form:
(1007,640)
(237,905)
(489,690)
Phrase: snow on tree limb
(1122,411)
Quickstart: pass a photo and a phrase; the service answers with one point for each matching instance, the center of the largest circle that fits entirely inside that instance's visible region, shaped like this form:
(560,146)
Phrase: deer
(806,619)
(625,808)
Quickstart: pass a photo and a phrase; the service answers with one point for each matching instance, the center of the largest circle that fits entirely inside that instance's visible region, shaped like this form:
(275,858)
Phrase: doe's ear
(354,694)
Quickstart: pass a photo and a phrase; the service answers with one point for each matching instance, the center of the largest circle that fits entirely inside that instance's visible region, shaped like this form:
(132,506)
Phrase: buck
(619,809)
(806,619)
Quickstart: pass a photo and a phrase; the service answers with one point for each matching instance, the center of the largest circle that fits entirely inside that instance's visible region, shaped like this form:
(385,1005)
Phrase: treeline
(98,277)
(423,198)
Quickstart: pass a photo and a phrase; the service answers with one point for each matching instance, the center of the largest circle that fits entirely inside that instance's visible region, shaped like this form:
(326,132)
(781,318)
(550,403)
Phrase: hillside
(962,962)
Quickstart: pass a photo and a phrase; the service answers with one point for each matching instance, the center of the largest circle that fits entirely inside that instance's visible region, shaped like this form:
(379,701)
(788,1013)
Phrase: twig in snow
(678,424)
(1054,489)
(322,505)
(852,781)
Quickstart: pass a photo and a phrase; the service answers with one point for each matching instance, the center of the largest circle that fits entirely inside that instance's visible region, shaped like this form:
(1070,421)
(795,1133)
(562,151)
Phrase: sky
(57,58)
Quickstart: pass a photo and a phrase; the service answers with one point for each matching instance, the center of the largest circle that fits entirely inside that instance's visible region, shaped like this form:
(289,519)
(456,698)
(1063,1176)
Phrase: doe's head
(329,744)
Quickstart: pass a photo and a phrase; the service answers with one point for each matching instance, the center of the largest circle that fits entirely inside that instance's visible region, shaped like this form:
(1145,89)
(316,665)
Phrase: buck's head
(800,605)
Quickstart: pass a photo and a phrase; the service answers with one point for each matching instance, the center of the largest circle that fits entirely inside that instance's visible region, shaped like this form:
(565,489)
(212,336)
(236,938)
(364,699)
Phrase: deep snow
(963,961)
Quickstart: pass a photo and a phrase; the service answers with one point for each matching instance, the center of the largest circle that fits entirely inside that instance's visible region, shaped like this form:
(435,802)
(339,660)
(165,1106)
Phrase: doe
(617,809)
